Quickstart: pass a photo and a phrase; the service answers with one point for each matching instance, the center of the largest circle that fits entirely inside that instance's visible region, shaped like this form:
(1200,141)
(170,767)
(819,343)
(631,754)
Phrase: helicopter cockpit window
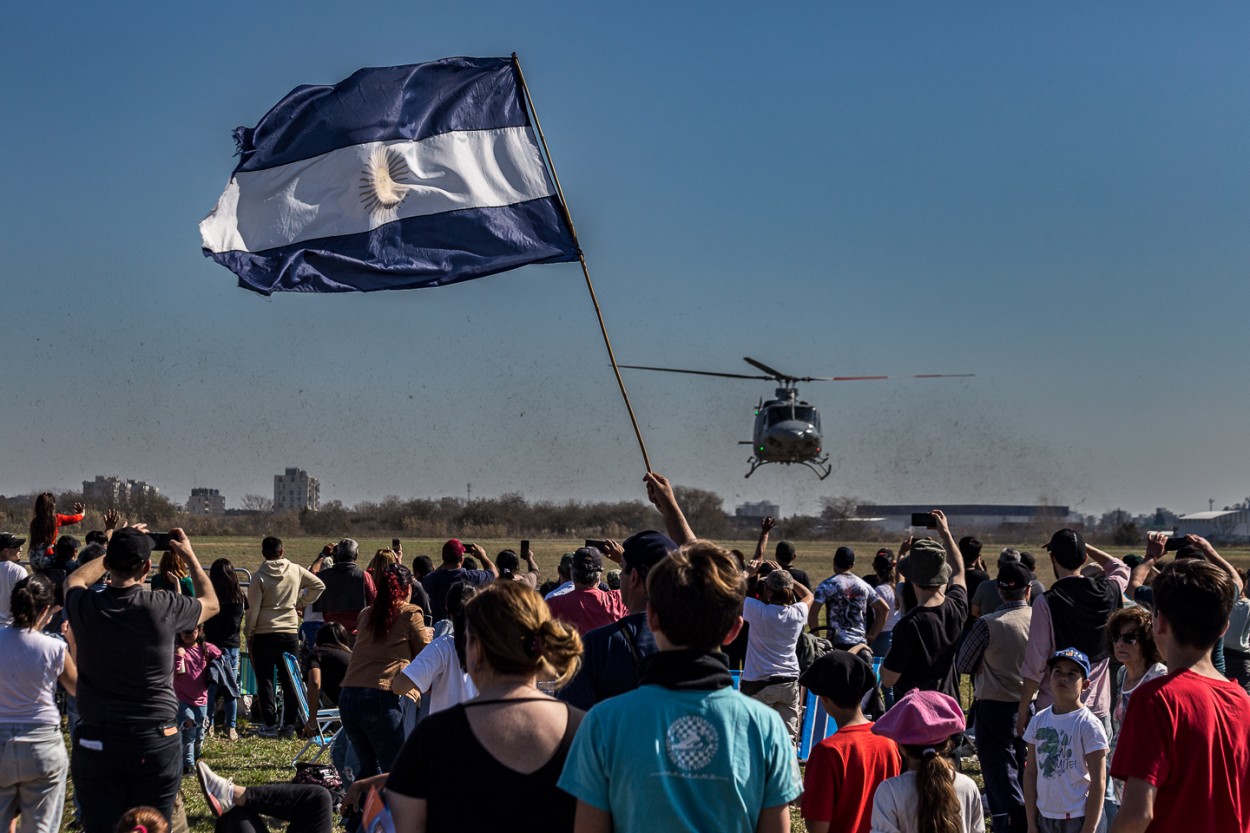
(804,413)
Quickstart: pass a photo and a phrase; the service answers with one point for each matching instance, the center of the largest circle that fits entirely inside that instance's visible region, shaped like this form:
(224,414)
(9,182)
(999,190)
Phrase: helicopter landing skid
(820,467)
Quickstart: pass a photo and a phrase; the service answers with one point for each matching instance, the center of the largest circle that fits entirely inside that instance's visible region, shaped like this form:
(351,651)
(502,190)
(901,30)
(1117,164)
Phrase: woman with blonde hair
(172,576)
(511,733)
(382,559)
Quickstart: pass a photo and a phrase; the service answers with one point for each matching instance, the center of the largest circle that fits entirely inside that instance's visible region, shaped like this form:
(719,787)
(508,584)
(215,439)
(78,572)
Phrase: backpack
(811,648)
(322,775)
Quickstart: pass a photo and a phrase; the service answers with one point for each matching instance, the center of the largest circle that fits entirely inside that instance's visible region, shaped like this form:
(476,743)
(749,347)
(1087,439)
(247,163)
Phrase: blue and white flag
(395,178)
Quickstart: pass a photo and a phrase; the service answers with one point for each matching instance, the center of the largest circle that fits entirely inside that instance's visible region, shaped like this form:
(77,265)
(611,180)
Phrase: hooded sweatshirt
(277,587)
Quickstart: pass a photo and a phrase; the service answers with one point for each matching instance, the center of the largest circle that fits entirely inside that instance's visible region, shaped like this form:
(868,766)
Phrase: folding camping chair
(328,722)
(816,726)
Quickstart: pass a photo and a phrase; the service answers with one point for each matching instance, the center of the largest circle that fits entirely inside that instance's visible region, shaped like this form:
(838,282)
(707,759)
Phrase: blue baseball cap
(1070,654)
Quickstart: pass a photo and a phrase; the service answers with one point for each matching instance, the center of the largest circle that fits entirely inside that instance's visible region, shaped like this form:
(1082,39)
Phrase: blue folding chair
(816,726)
(328,722)
(737,678)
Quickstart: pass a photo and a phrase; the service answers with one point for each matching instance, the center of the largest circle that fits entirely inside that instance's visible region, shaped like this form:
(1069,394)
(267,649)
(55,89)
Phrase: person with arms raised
(129,748)
(45,528)
(922,654)
(452,570)
(1073,613)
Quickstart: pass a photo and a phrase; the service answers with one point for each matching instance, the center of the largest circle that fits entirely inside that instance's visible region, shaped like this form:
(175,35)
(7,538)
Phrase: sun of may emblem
(692,742)
(386,180)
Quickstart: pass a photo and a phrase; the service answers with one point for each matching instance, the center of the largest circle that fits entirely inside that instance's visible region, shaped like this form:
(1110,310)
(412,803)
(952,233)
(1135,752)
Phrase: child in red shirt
(844,769)
(1184,752)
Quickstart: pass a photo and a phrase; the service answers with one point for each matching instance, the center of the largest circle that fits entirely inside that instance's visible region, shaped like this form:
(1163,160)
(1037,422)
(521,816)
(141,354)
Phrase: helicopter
(787,429)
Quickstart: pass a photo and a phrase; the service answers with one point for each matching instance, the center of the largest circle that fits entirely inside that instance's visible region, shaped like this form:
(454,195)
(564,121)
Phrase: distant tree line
(512,516)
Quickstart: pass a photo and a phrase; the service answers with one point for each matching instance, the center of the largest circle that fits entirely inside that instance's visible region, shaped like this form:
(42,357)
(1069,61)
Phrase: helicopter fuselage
(787,430)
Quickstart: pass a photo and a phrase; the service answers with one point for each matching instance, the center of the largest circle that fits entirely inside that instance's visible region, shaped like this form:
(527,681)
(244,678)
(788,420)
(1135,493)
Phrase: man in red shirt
(586,607)
(844,770)
(1183,750)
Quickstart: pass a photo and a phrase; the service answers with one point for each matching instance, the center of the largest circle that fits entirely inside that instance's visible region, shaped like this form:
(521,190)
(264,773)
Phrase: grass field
(815,557)
(254,760)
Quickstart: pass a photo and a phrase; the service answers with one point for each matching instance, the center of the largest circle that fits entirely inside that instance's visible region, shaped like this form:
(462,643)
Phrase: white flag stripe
(334,194)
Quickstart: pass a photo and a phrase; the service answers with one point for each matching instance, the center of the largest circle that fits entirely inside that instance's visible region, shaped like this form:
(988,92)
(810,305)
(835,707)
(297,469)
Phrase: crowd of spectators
(475,696)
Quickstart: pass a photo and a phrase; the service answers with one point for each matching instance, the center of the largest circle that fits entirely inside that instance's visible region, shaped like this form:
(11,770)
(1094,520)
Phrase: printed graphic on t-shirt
(691,742)
(846,600)
(1054,752)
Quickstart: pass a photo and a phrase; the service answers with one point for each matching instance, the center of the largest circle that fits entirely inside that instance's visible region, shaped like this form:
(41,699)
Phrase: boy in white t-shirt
(1066,775)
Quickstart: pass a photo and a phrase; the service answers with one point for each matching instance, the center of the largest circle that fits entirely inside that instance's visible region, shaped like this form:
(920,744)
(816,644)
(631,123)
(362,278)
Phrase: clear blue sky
(1054,197)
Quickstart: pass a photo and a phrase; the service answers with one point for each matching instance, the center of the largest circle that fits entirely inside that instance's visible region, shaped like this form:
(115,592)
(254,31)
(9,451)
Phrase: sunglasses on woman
(1128,638)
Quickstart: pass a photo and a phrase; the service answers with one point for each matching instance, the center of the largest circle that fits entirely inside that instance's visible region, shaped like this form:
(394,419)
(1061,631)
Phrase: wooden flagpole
(581,257)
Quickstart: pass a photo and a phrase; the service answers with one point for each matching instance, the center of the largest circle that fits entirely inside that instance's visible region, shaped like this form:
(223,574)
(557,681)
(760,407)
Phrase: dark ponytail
(508,563)
(32,596)
(938,809)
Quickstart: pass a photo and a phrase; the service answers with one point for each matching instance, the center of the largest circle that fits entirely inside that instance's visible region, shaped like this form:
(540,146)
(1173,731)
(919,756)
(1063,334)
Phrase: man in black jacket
(349,589)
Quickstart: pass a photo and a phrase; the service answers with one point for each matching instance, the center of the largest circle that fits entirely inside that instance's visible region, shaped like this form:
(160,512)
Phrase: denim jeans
(33,764)
(71,718)
(374,725)
(230,709)
(880,647)
(308,632)
(1002,756)
(191,719)
(343,756)
(122,765)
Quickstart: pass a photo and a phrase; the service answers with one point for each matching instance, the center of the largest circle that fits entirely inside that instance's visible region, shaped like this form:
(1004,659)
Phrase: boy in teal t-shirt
(684,751)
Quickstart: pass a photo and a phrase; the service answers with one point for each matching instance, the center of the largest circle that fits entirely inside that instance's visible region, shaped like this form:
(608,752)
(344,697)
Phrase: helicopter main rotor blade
(693,372)
(875,378)
(773,373)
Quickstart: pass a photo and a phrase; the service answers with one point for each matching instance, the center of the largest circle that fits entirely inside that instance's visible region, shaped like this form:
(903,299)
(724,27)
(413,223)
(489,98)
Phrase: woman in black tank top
(493,762)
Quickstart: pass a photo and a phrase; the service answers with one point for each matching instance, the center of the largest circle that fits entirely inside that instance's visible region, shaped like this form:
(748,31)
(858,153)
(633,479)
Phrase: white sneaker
(218,791)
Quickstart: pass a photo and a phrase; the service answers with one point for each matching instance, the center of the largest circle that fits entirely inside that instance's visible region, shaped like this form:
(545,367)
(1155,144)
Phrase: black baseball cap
(10,541)
(1014,577)
(128,549)
(643,550)
(587,562)
(1067,542)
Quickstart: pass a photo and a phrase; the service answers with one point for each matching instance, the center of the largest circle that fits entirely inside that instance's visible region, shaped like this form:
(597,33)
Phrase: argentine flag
(395,178)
